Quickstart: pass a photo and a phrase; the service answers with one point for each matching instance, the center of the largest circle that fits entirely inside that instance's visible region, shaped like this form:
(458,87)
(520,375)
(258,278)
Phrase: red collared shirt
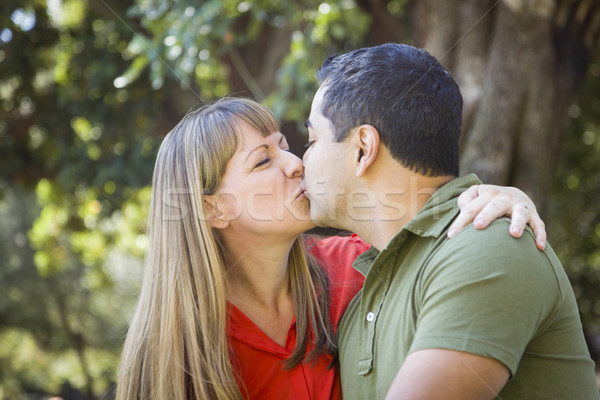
(258,359)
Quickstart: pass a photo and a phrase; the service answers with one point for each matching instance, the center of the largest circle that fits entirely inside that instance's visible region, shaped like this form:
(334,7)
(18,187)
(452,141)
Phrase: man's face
(327,168)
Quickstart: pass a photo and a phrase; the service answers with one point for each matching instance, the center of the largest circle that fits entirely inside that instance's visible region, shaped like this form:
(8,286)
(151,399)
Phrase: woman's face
(260,192)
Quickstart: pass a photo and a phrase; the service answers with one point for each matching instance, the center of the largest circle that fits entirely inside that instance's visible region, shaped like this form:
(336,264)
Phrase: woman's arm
(481,204)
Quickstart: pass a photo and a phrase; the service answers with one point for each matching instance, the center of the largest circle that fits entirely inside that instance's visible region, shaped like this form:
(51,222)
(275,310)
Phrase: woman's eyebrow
(266,146)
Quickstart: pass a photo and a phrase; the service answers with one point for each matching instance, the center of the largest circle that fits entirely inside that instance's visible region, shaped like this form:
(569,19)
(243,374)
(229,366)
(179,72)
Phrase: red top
(258,359)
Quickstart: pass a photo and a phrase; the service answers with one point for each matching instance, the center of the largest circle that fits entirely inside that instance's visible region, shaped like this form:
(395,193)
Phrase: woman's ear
(368,148)
(216,218)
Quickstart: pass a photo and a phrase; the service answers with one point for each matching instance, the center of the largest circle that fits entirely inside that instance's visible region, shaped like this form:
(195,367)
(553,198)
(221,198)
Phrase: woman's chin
(304,224)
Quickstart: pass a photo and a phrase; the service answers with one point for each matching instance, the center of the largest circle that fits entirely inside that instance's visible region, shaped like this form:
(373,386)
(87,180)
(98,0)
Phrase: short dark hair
(405,94)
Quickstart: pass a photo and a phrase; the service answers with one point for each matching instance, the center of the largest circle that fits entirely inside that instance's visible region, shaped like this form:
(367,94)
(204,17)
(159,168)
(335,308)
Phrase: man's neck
(397,200)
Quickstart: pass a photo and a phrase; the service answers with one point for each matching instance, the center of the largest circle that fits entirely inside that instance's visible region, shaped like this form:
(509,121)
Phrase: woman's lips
(300,193)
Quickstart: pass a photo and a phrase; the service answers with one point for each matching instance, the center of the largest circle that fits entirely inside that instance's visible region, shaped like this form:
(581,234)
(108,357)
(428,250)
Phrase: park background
(88,89)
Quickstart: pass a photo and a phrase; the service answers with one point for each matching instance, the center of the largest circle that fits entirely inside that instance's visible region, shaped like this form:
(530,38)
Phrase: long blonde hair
(177,346)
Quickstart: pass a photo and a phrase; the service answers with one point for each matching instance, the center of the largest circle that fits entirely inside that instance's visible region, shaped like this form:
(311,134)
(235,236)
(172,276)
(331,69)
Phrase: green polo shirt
(482,292)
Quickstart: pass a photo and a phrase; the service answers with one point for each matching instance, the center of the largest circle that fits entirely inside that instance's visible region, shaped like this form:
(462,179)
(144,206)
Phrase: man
(480,316)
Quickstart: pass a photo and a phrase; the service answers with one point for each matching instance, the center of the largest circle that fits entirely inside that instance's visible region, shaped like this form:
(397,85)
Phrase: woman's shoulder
(335,254)
(333,249)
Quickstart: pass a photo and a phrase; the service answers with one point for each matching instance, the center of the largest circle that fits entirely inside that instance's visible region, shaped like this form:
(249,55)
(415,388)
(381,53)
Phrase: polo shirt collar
(440,210)
(431,221)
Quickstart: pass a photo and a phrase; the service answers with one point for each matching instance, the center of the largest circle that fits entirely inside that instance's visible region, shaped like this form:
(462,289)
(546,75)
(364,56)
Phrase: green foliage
(87,91)
(322,31)
(85,149)
(575,213)
(88,275)
(60,105)
(191,41)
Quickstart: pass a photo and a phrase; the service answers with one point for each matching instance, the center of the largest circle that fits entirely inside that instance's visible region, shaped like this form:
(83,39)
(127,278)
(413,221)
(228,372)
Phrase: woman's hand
(481,204)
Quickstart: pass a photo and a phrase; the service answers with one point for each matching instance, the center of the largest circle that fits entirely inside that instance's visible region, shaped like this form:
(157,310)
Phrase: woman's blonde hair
(177,346)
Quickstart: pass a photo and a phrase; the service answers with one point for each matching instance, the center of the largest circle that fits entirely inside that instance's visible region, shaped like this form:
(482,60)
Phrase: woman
(232,306)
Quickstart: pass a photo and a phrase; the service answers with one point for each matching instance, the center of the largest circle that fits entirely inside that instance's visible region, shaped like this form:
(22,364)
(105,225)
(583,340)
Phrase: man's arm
(447,374)
(483,297)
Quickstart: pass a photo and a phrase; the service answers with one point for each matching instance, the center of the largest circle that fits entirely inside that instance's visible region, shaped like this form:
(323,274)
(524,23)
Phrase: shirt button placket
(365,364)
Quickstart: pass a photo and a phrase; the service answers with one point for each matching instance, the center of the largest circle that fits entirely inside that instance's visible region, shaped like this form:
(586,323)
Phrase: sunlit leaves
(130,224)
(45,369)
(575,213)
(32,364)
(66,14)
(190,39)
(77,238)
(86,96)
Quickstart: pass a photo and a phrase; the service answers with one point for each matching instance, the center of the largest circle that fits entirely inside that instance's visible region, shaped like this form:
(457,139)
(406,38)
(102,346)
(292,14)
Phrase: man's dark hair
(405,94)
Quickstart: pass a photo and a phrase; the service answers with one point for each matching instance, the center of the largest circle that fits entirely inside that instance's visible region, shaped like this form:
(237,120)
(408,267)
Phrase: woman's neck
(258,273)
(259,285)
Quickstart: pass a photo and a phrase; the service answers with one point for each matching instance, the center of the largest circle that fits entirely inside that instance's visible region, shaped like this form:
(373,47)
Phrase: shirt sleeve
(335,255)
(486,293)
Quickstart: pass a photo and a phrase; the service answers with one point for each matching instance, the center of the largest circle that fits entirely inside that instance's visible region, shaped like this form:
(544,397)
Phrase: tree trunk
(77,338)
(253,73)
(519,64)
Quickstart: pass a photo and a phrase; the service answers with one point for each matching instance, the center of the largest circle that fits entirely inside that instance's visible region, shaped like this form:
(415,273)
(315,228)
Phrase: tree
(520,65)
(84,149)
(89,88)
(575,211)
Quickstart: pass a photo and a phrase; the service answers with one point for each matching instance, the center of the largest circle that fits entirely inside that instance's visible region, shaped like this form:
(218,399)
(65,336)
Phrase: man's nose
(305,155)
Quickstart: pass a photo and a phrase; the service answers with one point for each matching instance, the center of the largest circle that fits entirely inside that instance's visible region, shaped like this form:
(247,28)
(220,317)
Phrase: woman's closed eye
(308,144)
(263,162)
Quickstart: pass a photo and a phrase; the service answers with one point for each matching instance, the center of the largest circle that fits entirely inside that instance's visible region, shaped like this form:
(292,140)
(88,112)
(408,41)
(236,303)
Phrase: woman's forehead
(249,137)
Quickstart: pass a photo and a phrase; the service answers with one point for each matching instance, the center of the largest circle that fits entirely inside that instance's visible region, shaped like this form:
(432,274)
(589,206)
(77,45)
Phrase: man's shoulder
(494,253)
(495,242)
(495,235)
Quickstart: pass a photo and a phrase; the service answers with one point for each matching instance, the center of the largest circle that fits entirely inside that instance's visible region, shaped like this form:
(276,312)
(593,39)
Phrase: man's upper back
(482,292)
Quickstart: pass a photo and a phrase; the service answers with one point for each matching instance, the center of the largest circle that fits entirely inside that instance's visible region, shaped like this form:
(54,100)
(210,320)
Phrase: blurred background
(88,89)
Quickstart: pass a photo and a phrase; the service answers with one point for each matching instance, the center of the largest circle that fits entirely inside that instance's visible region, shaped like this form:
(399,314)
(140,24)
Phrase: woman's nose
(292,165)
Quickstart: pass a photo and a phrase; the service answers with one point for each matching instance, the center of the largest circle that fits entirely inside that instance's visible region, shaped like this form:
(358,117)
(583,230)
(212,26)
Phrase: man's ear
(368,147)
(216,218)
